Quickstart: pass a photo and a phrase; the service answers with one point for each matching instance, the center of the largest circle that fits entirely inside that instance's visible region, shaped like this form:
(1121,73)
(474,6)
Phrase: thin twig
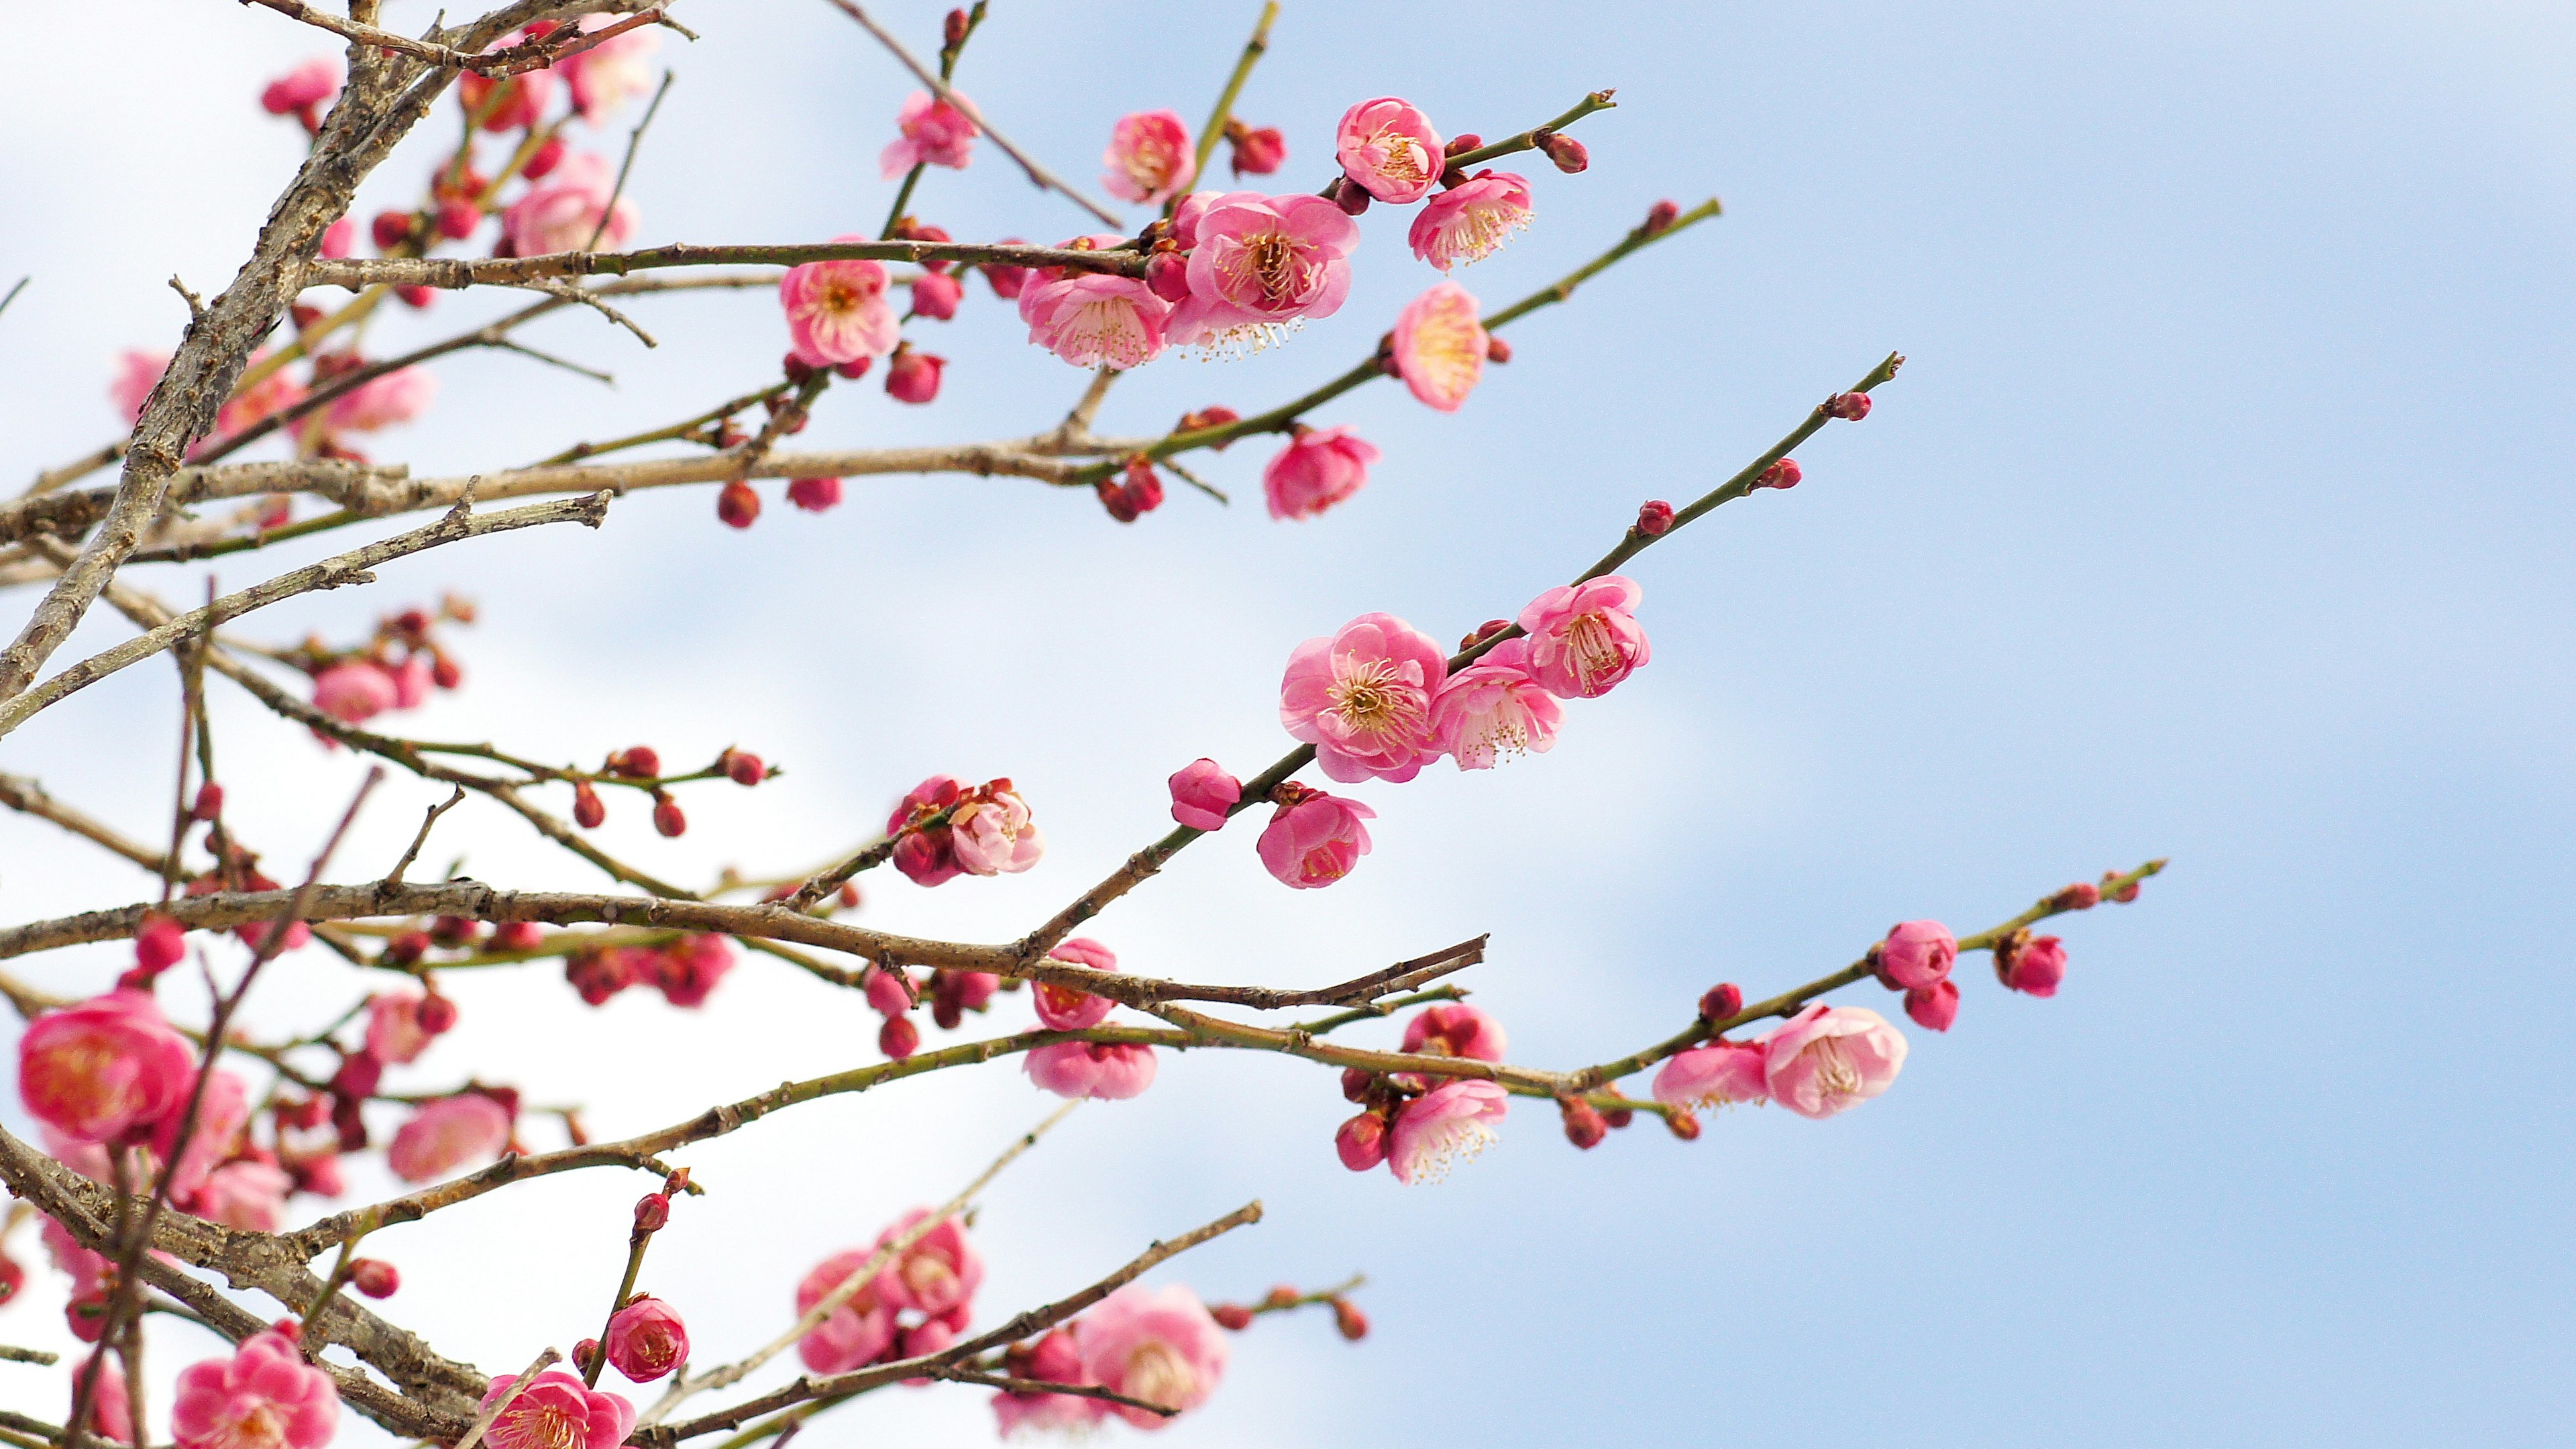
(634,139)
(394,876)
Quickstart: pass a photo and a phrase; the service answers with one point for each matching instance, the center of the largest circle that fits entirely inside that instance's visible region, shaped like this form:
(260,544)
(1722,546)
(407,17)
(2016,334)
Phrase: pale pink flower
(1935,1006)
(857,1331)
(265,1396)
(447,1134)
(355,691)
(137,372)
(1442,1128)
(394,1033)
(993,834)
(1150,158)
(935,133)
(1107,1071)
(270,395)
(1720,1074)
(1069,1008)
(1494,707)
(307,86)
(559,213)
(1094,319)
(111,1412)
(2035,967)
(1056,1360)
(555,1412)
(935,1276)
(1830,1058)
(249,1195)
(397,397)
(1319,468)
(341,238)
(223,1110)
(1915,954)
(611,73)
(1160,1346)
(1470,223)
(1257,264)
(1455,1029)
(1584,638)
(1202,793)
(646,1340)
(1440,346)
(837,311)
(1362,697)
(1315,841)
(99,1070)
(1388,148)
(412,681)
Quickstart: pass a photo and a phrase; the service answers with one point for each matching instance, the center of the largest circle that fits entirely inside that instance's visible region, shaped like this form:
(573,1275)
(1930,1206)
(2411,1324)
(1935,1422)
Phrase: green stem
(1252,53)
(1528,140)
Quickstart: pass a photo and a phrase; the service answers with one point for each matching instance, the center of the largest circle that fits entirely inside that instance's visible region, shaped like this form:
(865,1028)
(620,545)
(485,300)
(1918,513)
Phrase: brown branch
(27,797)
(513,60)
(454,272)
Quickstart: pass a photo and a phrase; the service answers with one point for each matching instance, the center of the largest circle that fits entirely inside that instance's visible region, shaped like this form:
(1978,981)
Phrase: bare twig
(28,1355)
(526,56)
(428,821)
(634,139)
(453,272)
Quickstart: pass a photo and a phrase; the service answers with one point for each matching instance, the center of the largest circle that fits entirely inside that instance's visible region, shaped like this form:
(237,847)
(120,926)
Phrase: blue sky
(2221,513)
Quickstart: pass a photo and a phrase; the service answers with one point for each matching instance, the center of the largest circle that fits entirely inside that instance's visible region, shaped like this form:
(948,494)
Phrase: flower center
(929,1277)
(263,1427)
(1594,647)
(1372,700)
(548,1425)
(1448,1144)
(1837,1075)
(1402,157)
(1158,1374)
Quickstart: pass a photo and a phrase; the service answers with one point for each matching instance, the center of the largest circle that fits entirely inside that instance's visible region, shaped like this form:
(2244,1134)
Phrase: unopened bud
(417,298)
(1722,1002)
(1660,217)
(737,504)
(1168,275)
(798,370)
(1684,1125)
(1618,1117)
(652,1210)
(160,944)
(587,812)
(454,931)
(666,815)
(515,936)
(1565,151)
(1258,151)
(953,31)
(2081,896)
(458,219)
(375,1277)
(1361,1142)
(2122,894)
(1355,1083)
(854,369)
(358,1076)
(1348,1320)
(210,802)
(1583,1125)
(636,762)
(544,159)
(898,1038)
(1483,632)
(1231,1316)
(406,948)
(1653,517)
(1215,417)
(1851,407)
(1781,474)
(1496,349)
(1351,199)
(849,897)
(436,1015)
(1281,1295)
(1461,145)
(444,672)
(390,229)
(585,1353)
(744,768)
(1113,497)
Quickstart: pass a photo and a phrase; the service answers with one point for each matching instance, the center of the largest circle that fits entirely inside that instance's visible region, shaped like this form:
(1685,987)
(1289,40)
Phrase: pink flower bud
(887,991)
(1723,1001)
(1660,217)
(338,240)
(1352,199)
(743,767)
(1356,1083)
(359,1075)
(935,295)
(646,1340)
(2122,894)
(159,944)
(209,803)
(587,812)
(2081,896)
(544,159)
(1935,1006)
(913,376)
(585,1353)
(1654,516)
(952,30)
(1316,841)
(1167,275)
(458,219)
(1583,1125)
(1203,793)
(1915,954)
(1256,151)
(652,1212)
(1361,1141)
(406,948)
(737,505)
(898,1038)
(356,691)
(1233,1317)
(1143,487)
(814,495)
(1851,407)
(1567,152)
(436,1014)
(1348,1321)
(305,87)
(1784,473)
(2034,967)
(637,762)
(667,817)
(515,936)
(1007,281)
(375,1277)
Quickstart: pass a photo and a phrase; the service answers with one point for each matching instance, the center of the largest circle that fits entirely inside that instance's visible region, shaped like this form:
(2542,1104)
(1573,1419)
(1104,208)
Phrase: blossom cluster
(394,670)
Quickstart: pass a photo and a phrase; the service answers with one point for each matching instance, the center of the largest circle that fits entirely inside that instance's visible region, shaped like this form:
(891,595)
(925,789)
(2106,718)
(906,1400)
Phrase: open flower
(395,1034)
(1440,346)
(857,1331)
(1455,1029)
(249,1195)
(1470,223)
(555,1412)
(265,1396)
(1494,707)
(1150,158)
(1388,148)
(1720,1074)
(1362,697)
(1314,840)
(223,1110)
(992,833)
(611,73)
(1094,319)
(137,373)
(935,133)
(1319,468)
(1107,1071)
(837,311)
(305,88)
(355,691)
(560,213)
(99,1070)
(1055,1360)
(447,1134)
(1159,1345)
(1442,1128)
(1832,1058)
(1257,264)
(1069,1008)
(397,397)
(646,1339)
(936,1276)
(1585,638)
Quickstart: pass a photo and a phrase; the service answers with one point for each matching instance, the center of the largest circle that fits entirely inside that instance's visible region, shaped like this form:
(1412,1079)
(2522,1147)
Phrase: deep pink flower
(688,969)
(935,1276)
(1830,1058)
(1094,319)
(1440,346)
(559,213)
(1202,793)
(1160,1346)
(555,1412)
(1361,1141)
(1056,1360)
(339,239)
(1107,1071)
(263,1397)
(88,1270)
(814,495)
(1584,638)
(611,73)
(354,691)
(1720,1074)
(412,681)
(111,1412)
(935,295)
(447,1134)
(306,87)
(837,311)
(857,1331)
(1455,1029)
(1319,468)
(1935,1006)
(1494,707)
(1150,158)
(1442,1128)
(1316,841)
(1069,1008)
(926,855)
(913,375)
(993,833)
(394,1030)
(1257,264)
(1388,148)
(249,1195)
(2036,966)
(397,397)
(646,1340)
(1470,223)
(935,133)
(137,372)
(1915,953)
(272,394)
(1362,697)
(99,1070)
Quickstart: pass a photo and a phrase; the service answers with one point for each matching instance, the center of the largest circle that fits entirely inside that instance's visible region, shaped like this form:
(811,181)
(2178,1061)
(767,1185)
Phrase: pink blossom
(1319,468)
(394,1031)
(837,310)
(1107,1071)
(1494,707)
(263,1397)
(935,133)
(1150,158)
(1440,346)
(1388,148)
(1585,638)
(1720,1074)
(559,213)
(111,1412)
(814,495)
(249,1195)
(2036,966)
(447,1134)
(857,1331)
(555,1412)
(1259,263)
(270,395)
(1362,698)
(1830,1058)
(1259,151)
(912,375)
(99,1070)
(354,691)
(1915,953)
(413,680)
(137,373)
(1202,794)
(926,855)
(87,1269)
(646,1340)
(523,98)
(1094,319)
(689,968)
(935,1276)
(1314,841)
(307,86)
(935,295)
(1935,1006)
(1442,1128)
(1070,1008)
(223,1110)
(1055,1360)
(611,73)
(397,397)
(1361,1141)
(1470,223)
(338,240)
(1161,1346)
(1455,1029)
(993,834)
(888,992)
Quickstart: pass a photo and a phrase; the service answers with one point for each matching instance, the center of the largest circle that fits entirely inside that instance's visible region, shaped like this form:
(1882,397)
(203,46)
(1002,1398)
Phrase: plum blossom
(412,679)
(555,1412)
(355,691)
(814,495)
(1257,264)
(1314,840)
(1070,1008)
(1388,149)
(1259,150)
(936,1276)
(249,1195)
(992,833)
(99,1070)
(395,1034)
(303,89)
(646,1340)
(1935,1006)
(925,853)
(223,1110)
(137,373)
(1439,346)
(265,398)
(913,375)
(1584,638)
(2034,966)
(1494,707)
(837,311)
(560,213)
(1202,793)
(1471,222)
(935,133)
(1150,158)
(1361,1141)
(1319,468)
(447,1134)
(1831,1058)
(1441,1128)
(512,103)
(397,397)
(1362,697)
(1094,319)
(611,73)
(265,1396)
(1455,1029)
(1055,1360)
(111,1412)
(1915,954)
(689,968)
(1106,1071)
(1161,1346)
(854,1333)
(1720,1074)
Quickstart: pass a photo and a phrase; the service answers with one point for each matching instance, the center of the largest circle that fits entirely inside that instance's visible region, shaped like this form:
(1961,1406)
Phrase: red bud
(898,1038)
(737,504)
(1355,1083)
(1653,517)
(1348,1320)
(436,1014)
(1351,199)
(1496,349)
(1851,407)
(666,815)
(652,1210)
(1565,151)
(1583,1125)
(1683,1124)
(210,802)
(2081,896)
(953,30)
(1660,217)
(587,812)
(1228,1315)
(391,229)
(406,948)
(1722,1001)
(375,1277)
(1783,474)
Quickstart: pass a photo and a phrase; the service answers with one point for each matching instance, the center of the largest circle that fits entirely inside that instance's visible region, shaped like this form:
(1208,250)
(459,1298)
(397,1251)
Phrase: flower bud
(1232,1316)
(87,1314)
(1356,1082)
(375,1277)
(416,298)
(1583,1125)
(1618,1118)
(159,944)
(814,495)
(390,229)
(935,295)
(13,1276)
(349,1120)
(1113,497)
(1935,1006)
(544,159)
(454,931)
(2081,896)
(405,949)
(1722,1001)
(2031,964)
(1144,488)
(1348,1320)
(585,1353)
(515,936)
(887,993)
(210,802)
(952,31)
(1654,516)
(1782,474)
(1281,1295)
(444,672)
(636,762)
(359,1075)
(798,371)
(2124,894)
(737,504)
(1851,407)
(436,1014)
(1168,275)
(587,812)
(666,815)
(1683,1124)
(652,1211)
(1351,199)
(458,219)
(1257,151)
(1567,152)
(850,902)
(1660,217)
(646,1339)
(1461,145)
(1361,1142)
(744,768)
(898,1038)
(1496,349)
(854,369)
(913,376)
(1483,632)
